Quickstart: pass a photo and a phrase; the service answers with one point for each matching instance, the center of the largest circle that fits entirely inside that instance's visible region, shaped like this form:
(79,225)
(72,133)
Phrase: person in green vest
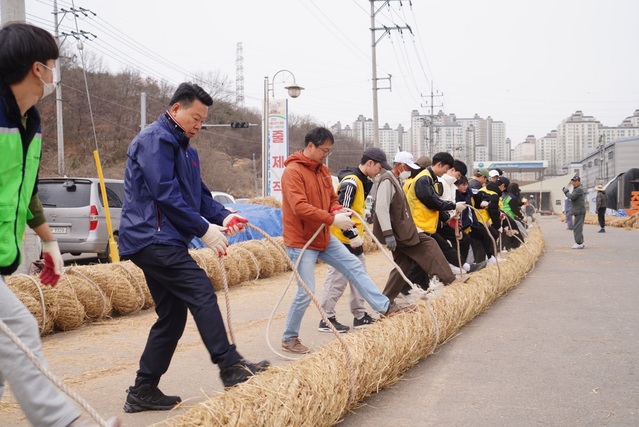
(27,62)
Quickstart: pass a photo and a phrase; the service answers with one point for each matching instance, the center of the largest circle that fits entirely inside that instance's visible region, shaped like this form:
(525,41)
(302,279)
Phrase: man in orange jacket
(309,202)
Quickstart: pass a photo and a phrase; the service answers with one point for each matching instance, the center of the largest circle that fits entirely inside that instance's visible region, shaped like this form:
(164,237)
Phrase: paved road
(561,349)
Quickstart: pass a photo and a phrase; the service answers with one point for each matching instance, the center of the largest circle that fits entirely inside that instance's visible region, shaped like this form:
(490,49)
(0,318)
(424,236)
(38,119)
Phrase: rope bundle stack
(314,390)
(627,222)
(95,292)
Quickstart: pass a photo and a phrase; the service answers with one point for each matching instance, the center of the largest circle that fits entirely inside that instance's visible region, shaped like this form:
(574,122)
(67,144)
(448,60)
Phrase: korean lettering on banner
(277,145)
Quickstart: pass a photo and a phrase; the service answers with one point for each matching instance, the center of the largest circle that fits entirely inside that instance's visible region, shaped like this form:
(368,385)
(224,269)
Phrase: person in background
(493,175)
(511,206)
(394,225)
(478,180)
(600,203)
(429,209)
(166,203)
(416,274)
(309,202)
(354,186)
(483,246)
(27,62)
(577,209)
(490,211)
(569,223)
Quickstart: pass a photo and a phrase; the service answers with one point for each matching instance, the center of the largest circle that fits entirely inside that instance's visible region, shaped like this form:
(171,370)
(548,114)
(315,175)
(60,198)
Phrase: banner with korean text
(277,145)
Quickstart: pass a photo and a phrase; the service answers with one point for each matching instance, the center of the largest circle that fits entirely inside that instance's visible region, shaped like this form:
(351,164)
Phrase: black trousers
(448,233)
(511,242)
(601,217)
(178,284)
(481,242)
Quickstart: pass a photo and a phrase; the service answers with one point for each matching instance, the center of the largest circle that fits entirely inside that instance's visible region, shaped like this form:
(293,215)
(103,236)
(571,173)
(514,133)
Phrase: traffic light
(237,125)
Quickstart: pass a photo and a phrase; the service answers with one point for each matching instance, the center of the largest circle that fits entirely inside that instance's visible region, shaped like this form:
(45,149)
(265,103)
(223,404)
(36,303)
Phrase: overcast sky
(530,64)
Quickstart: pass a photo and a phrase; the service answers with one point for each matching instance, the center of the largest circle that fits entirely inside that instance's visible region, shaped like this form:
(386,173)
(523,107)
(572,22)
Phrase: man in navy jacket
(165,205)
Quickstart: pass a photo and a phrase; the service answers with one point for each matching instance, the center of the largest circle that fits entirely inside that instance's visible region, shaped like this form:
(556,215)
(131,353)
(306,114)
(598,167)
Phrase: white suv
(75,212)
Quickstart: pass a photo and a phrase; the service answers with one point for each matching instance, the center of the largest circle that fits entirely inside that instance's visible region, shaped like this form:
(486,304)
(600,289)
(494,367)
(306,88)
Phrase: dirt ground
(99,360)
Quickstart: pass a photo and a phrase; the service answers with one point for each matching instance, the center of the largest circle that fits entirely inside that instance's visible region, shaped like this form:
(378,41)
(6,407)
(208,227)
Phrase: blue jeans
(337,256)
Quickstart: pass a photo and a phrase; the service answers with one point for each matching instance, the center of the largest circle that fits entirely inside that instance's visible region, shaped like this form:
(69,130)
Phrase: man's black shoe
(241,371)
(148,398)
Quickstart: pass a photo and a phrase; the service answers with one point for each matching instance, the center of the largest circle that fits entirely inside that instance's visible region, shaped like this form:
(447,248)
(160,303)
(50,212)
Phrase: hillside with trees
(226,154)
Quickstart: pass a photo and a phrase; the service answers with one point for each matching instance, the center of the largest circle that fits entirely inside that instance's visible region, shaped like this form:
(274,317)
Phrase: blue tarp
(266,218)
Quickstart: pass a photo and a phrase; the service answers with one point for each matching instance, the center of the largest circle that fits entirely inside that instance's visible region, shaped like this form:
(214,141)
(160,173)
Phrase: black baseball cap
(377,154)
(576,178)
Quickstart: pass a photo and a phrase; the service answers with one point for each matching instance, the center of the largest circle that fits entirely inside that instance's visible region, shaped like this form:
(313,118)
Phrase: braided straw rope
(315,389)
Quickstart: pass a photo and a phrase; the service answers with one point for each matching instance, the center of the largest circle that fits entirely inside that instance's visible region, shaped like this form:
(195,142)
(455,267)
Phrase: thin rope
(72,270)
(253,258)
(227,299)
(47,373)
(44,306)
(349,357)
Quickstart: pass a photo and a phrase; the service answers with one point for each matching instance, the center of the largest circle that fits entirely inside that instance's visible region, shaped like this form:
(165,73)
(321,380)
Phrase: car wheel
(104,256)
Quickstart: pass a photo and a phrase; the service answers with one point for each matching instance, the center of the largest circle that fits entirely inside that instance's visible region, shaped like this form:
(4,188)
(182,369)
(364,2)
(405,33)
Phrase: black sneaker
(323,327)
(365,321)
(241,371)
(477,266)
(148,398)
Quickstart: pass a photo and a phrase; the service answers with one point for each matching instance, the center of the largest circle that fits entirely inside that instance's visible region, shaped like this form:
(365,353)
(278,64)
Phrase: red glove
(234,224)
(502,216)
(336,208)
(454,223)
(48,275)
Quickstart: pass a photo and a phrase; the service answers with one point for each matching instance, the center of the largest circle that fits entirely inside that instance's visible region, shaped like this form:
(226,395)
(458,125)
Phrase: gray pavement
(561,349)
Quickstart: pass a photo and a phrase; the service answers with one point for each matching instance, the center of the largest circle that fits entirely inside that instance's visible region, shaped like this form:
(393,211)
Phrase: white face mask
(49,88)
(404,175)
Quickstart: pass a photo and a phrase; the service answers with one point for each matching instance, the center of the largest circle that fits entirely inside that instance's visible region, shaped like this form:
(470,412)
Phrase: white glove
(343,221)
(215,240)
(460,206)
(234,224)
(484,204)
(356,242)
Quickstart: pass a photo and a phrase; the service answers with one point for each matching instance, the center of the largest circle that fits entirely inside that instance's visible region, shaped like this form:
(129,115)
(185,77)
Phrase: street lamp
(293,91)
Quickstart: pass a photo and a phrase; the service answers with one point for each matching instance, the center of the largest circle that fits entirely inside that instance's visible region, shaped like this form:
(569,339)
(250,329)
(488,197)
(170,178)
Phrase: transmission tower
(239,75)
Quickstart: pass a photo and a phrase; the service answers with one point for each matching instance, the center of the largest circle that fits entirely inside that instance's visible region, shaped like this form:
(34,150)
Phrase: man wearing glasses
(309,207)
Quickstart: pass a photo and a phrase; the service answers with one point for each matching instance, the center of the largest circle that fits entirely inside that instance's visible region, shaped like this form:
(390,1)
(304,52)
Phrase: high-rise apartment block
(477,139)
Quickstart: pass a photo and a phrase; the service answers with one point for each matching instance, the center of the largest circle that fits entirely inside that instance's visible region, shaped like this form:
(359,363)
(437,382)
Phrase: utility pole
(58,95)
(432,118)
(386,30)
(12,11)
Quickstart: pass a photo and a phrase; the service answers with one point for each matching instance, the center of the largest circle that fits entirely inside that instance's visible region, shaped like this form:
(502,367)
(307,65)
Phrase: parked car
(75,212)
(222,197)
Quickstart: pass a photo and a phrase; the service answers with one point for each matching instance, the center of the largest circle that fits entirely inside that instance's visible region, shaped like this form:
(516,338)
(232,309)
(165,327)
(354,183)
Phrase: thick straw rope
(349,358)
(314,389)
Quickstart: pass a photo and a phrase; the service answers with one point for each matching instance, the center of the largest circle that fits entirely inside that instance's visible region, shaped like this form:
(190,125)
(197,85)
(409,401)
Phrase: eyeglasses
(327,151)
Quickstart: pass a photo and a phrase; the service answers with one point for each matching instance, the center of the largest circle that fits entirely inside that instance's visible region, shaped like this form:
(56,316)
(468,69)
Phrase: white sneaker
(492,260)
(578,246)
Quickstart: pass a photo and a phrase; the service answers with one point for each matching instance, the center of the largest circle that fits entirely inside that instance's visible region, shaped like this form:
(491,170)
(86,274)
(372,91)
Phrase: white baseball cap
(406,158)
(493,173)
